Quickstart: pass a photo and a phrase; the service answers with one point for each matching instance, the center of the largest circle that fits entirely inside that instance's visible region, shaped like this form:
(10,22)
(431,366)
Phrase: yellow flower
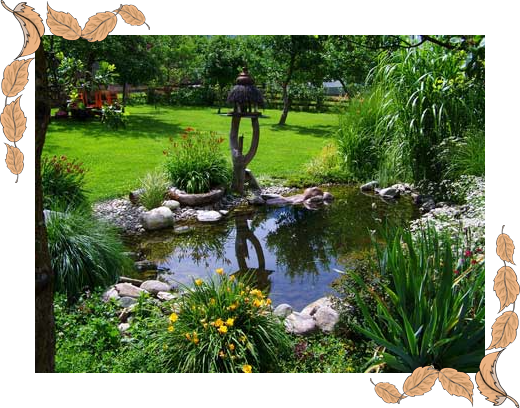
(231,347)
(230,322)
(257,303)
(220,271)
(268,301)
(212,301)
(219,322)
(170,329)
(233,306)
(246,368)
(173,317)
(188,336)
(232,278)
(195,338)
(243,339)
(205,325)
(222,354)
(257,293)
(198,282)
(222,329)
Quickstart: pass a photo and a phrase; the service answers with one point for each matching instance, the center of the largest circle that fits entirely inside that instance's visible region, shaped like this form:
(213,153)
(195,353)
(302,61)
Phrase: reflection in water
(291,251)
(259,275)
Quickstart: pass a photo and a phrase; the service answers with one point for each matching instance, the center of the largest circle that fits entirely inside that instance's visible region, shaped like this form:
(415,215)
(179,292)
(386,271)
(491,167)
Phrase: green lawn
(117,159)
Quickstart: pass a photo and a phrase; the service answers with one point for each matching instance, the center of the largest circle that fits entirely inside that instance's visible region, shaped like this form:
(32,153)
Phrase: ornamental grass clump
(223,325)
(195,163)
(154,187)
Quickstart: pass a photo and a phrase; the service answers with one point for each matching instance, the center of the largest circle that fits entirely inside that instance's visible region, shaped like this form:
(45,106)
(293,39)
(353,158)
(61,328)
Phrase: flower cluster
(222,323)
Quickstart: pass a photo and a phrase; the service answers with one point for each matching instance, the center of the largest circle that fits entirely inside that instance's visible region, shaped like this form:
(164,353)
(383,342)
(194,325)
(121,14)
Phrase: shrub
(224,325)
(432,311)
(63,183)
(466,156)
(154,186)
(85,252)
(114,117)
(195,163)
(326,167)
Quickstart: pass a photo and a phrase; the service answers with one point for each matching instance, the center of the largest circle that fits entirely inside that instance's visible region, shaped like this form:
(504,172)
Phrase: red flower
(456,272)
(467,254)
(189,129)
(473,261)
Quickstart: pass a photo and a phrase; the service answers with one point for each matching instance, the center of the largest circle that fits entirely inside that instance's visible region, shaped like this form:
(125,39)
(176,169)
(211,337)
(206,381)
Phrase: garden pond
(292,252)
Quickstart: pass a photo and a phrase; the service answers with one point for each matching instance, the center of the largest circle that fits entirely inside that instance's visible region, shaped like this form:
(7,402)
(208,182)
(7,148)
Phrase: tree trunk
(285,93)
(286,104)
(344,85)
(241,160)
(44,275)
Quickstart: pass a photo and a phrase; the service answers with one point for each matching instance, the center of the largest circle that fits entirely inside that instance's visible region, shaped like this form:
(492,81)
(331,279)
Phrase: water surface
(292,251)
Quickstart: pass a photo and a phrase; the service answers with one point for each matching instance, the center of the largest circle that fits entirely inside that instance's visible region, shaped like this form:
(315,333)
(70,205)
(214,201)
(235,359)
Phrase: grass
(116,160)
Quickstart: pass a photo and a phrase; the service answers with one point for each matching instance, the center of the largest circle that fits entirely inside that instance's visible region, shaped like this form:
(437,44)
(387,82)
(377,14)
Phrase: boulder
(369,186)
(156,219)
(312,308)
(196,200)
(389,192)
(172,204)
(208,216)
(155,286)
(111,293)
(165,296)
(428,205)
(127,301)
(298,323)
(268,196)
(283,310)
(129,290)
(318,199)
(255,200)
(327,196)
(280,201)
(123,327)
(224,212)
(312,192)
(326,318)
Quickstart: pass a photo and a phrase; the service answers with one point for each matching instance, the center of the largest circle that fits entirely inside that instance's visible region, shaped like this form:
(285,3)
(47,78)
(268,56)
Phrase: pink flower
(467,254)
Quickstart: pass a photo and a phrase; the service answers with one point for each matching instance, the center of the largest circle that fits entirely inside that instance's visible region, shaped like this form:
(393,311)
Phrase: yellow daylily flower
(222,329)
(173,317)
(198,282)
(246,368)
(220,271)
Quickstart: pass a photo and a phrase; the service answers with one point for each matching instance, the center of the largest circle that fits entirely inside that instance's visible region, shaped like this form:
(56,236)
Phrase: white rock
(155,286)
(156,219)
(297,323)
(165,296)
(283,310)
(129,290)
(312,308)
(208,216)
(111,293)
(326,318)
(123,327)
(171,204)
(389,192)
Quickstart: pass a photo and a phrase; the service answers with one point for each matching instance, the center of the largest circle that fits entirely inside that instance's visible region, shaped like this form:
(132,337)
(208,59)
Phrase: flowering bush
(223,325)
(195,162)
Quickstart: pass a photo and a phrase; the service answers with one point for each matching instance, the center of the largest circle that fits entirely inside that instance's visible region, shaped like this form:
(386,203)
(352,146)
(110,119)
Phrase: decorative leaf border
(504,332)
(16,74)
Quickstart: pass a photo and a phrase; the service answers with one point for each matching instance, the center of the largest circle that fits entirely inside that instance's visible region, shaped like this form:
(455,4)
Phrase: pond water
(291,251)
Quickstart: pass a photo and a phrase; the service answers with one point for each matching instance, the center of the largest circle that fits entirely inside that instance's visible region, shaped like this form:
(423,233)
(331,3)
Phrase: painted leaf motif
(420,381)
(16,76)
(14,159)
(14,121)
(505,248)
(32,27)
(63,24)
(487,380)
(132,15)
(503,331)
(388,392)
(99,26)
(456,383)
(506,286)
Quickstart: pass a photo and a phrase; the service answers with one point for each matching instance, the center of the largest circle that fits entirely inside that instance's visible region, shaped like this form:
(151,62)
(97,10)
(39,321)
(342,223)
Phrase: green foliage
(114,117)
(223,325)
(432,311)
(154,186)
(326,353)
(63,183)
(418,98)
(88,340)
(195,163)
(85,252)
(465,156)
(326,167)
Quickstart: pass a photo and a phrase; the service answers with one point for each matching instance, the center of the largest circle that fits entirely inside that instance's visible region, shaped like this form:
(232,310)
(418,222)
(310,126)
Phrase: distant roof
(332,84)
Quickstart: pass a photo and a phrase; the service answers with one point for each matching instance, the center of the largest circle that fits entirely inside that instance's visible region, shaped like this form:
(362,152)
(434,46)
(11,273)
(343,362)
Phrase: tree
(294,58)
(222,63)
(44,275)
